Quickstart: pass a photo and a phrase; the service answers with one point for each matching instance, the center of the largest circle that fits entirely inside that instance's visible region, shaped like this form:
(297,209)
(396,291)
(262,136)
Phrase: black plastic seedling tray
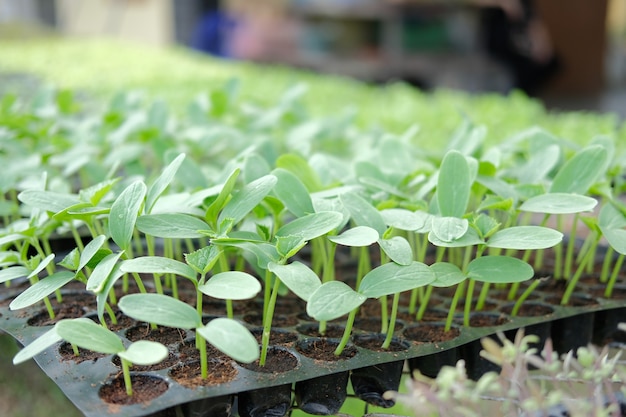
(81,382)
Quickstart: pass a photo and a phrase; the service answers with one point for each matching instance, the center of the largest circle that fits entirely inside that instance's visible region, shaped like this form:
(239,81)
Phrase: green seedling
(86,334)
(227,335)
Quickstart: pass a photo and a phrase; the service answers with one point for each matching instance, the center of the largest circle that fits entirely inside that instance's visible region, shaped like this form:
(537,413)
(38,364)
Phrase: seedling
(227,335)
(86,334)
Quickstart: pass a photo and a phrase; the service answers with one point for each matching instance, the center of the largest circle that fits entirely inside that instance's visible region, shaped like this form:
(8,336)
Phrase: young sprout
(86,334)
(227,335)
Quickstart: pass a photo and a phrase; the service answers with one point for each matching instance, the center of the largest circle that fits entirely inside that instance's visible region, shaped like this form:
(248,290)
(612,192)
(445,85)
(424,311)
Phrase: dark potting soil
(188,351)
(278,360)
(189,374)
(575,301)
(324,350)
(312,330)
(430,333)
(530,310)
(123,321)
(67,311)
(277,321)
(67,354)
(486,320)
(277,337)
(618,293)
(375,342)
(373,324)
(145,388)
(85,300)
(164,335)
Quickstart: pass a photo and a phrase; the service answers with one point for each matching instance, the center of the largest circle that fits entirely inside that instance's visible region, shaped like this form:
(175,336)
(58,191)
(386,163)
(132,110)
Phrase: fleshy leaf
(363,213)
(232,338)
(203,259)
(332,300)
(171,225)
(161,183)
(312,225)
(231,285)
(448,229)
(453,185)
(124,212)
(90,250)
(89,335)
(161,310)
(404,219)
(356,237)
(398,249)
(525,238)
(499,270)
(144,352)
(158,265)
(298,277)
(391,278)
(446,274)
(41,289)
(580,172)
(37,346)
(292,192)
(246,199)
(559,203)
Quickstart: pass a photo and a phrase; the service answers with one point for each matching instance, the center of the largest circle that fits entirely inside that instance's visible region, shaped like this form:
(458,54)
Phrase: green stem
(111,314)
(49,308)
(75,349)
(346,332)
(413,300)
(229,309)
(267,322)
(524,296)
(460,289)
(392,321)
(383,314)
(468,302)
(139,282)
(424,303)
(329,266)
(569,254)
(513,291)
(201,345)
(571,284)
(127,381)
(76,235)
(199,295)
(558,251)
(364,266)
(616,269)
(606,264)
(482,297)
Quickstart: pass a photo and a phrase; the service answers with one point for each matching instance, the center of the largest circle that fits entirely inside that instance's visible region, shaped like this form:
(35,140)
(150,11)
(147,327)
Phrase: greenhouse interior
(381,208)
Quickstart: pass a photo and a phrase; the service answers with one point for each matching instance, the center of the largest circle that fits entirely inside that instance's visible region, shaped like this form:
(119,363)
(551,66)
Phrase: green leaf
(298,277)
(218,204)
(231,338)
(41,266)
(559,203)
(158,265)
(446,274)
(580,172)
(41,289)
(333,299)
(539,165)
(89,335)
(616,238)
(485,225)
(171,225)
(391,278)
(525,238)
(90,251)
(204,259)
(96,193)
(160,309)
(12,273)
(43,342)
(397,249)
(312,225)
(288,246)
(499,270)
(231,285)
(356,237)
(470,238)
(47,200)
(301,168)
(292,192)
(101,272)
(448,229)
(124,212)
(453,185)
(161,183)
(610,217)
(264,252)
(404,219)
(144,352)
(247,199)
(71,260)
(363,213)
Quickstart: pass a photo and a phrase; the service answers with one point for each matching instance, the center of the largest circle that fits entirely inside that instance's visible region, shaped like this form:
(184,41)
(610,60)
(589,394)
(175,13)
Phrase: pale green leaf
(144,352)
(90,250)
(398,249)
(162,182)
(580,172)
(525,238)
(559,203)
(391,278)
(158,265)
(232,338)
(356,236)
(124,212)
(41,289)
(231,285)
(101,272)
(332,300)
(171,225)
(499,270)
(312,225)
(160,309)
(292,192)
(89,335)
(246,199)
(446,274)
(453,185)
(298,277)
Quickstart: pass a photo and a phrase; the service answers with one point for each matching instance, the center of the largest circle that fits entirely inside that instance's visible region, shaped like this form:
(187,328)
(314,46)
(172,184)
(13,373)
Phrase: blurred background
(569,53)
